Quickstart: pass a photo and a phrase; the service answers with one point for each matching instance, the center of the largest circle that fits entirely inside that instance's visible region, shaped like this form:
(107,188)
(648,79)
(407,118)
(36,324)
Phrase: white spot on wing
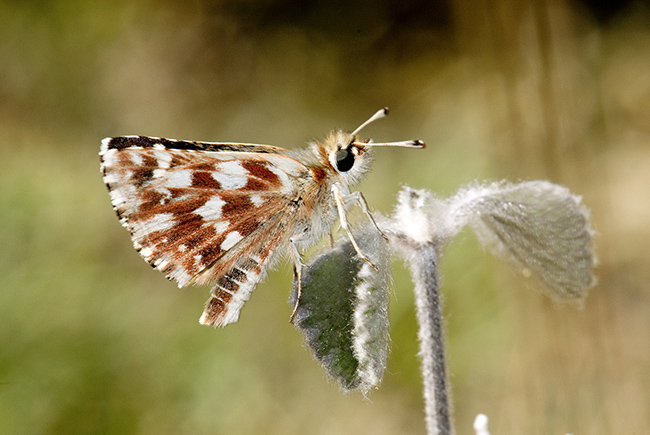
(181,277)
(230,240)
(146,252)
(109,155)
(104,147)
(221,227)
(160,222)
(111,178)
(231,175)
(232,167)
(161,263)
(287,169)
(234,307)
(211,210)
(181,178)
(230,182)
(163,158)
(137,159)
(256,199)
(285,179)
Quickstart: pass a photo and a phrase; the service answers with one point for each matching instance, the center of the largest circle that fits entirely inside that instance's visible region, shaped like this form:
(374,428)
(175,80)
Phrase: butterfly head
(350,156)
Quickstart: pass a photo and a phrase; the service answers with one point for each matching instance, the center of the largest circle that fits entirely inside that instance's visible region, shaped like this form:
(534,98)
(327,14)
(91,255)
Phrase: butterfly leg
(340,205)
(361,200)
(297,276)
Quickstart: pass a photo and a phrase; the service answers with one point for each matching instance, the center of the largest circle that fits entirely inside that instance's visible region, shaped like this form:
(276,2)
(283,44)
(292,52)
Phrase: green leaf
(343,311)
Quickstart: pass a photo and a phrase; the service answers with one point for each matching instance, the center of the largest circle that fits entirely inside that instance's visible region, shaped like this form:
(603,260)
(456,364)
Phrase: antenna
(380,114)
(404,143)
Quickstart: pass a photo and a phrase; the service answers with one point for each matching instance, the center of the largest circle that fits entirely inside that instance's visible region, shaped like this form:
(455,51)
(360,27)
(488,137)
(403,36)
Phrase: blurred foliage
(94,341)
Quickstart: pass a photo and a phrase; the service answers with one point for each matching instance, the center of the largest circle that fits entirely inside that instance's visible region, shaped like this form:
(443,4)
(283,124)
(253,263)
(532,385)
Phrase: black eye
(344,160)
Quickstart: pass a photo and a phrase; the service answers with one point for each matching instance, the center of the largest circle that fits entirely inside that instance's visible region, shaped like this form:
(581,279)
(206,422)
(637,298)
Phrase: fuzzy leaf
(538,226)
(543,229)
(343,311)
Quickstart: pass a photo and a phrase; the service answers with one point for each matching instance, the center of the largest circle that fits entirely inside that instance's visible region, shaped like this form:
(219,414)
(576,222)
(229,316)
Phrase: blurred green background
(92,340)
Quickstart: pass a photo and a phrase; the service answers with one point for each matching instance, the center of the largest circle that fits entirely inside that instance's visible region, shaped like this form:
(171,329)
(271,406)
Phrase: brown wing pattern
(202,216)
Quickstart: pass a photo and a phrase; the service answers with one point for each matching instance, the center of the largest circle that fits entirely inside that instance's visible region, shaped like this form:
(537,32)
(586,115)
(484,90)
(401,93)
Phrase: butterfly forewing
(214,213)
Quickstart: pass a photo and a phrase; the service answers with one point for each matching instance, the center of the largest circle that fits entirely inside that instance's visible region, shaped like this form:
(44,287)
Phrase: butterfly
(223,213)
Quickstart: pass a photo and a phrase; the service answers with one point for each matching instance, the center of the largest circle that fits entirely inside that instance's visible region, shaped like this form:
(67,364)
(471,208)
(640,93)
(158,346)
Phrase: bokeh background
(92,340)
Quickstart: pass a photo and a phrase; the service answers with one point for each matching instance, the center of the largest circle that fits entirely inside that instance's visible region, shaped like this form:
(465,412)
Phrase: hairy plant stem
(423,263)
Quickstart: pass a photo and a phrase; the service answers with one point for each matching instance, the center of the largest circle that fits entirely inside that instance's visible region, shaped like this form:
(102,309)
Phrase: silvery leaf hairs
(540,228)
